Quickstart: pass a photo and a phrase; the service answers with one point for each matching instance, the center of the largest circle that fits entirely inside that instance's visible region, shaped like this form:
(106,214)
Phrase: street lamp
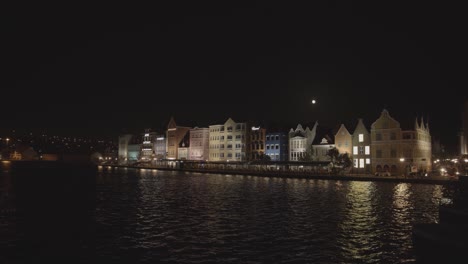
(402,160)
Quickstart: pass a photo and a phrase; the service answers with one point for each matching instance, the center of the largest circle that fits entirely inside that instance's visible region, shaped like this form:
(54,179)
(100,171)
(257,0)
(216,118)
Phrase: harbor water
(123,215)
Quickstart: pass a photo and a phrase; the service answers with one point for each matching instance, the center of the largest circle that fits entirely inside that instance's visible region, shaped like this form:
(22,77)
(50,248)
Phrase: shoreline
(300,175)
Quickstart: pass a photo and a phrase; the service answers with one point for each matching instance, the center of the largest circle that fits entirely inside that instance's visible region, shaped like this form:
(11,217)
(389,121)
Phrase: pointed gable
(360,128)
(422,124)
(416,125)
(385,121)
(342,131)
(172,124)
(229,122)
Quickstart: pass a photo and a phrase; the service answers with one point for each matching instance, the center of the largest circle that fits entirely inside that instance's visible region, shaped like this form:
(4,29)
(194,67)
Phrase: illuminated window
(361,163)
(361,137)
(367,151)
(355,150)
(356,163)
(367,161)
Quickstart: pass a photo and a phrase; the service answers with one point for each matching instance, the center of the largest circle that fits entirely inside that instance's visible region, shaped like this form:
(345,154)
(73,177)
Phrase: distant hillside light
(313,101)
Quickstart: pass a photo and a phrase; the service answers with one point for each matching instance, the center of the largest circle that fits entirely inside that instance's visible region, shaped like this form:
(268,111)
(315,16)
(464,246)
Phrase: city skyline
(92,72)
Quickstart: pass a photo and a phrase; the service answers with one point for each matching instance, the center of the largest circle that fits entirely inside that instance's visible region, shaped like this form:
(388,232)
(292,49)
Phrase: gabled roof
(324,132)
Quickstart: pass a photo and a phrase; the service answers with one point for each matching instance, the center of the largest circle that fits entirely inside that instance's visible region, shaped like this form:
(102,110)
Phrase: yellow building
(228,142)
(397,151)
(343,140)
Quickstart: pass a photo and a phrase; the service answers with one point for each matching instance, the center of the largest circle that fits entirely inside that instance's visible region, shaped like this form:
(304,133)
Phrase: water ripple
(171,217)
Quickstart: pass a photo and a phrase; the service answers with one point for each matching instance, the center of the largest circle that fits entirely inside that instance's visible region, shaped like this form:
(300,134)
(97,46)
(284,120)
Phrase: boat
(447,240)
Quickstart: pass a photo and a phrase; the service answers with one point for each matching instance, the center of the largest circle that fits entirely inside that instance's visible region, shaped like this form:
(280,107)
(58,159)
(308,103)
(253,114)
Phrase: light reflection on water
(148,216)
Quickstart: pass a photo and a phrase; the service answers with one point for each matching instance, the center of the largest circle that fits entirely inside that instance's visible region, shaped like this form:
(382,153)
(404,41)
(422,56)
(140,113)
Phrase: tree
(307,156)
(333,154)
(345,161)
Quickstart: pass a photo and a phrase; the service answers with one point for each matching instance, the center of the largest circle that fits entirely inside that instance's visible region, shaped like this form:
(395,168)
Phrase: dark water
(149,216)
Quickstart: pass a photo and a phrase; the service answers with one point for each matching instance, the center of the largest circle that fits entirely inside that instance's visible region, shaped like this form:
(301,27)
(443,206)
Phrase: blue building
(276,146)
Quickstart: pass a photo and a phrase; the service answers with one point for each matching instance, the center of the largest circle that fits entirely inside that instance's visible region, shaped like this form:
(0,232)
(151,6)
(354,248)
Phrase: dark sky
(100,69)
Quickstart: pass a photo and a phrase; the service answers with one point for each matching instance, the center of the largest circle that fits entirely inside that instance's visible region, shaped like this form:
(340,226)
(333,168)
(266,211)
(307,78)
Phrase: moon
(313,101)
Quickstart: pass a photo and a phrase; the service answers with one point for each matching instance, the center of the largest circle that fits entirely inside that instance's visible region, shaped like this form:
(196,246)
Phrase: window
(361,163)
(361,150)
(356,163)
(229,137)
(355,150)
(361,137)
(276,146)
(367,161)
(267,137)
(277,137)
(267,146)
(378,136)
(229,155)
(367,151)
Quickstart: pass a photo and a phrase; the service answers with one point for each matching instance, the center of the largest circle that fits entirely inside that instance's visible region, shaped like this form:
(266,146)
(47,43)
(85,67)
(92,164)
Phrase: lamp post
(402,160)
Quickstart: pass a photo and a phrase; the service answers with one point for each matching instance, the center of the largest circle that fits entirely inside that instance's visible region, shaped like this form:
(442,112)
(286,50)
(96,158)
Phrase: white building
(300,141)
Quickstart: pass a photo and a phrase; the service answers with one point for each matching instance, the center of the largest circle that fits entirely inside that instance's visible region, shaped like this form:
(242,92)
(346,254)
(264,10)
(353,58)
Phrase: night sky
(106,69)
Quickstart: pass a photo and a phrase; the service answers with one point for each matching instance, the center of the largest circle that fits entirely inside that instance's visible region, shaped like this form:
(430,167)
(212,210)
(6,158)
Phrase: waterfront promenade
(444,180)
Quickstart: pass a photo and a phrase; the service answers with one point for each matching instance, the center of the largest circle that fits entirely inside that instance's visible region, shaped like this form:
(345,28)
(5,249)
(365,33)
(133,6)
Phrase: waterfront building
(277,146)
(129,148)
(159,146)
(175,134)
(399,151)
(300,141)
(361,154)
(256,150)
(199,143)
(323,142)
(343,140)
(228,142)
(124,141)
(147,145)
(184,145)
